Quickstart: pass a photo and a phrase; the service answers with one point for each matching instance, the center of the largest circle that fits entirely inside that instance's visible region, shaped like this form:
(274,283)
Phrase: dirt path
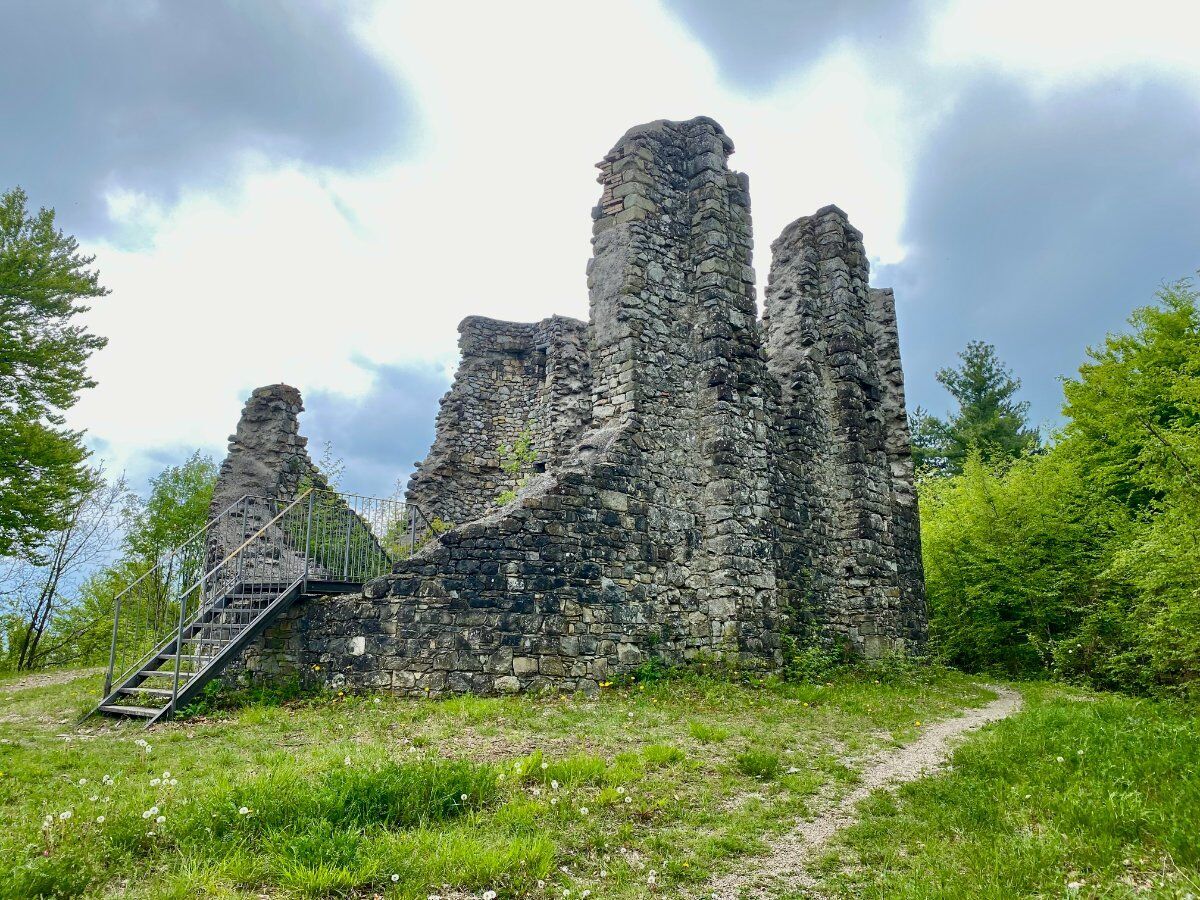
(41,680)
(783,867)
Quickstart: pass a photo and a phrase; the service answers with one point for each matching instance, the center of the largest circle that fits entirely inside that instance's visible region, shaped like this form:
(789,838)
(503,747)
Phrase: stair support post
(346,556)
(178,651)
(308,541)
(112,651)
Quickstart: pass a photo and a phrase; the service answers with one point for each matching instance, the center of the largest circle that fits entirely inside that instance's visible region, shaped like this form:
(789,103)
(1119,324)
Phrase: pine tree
(988,420)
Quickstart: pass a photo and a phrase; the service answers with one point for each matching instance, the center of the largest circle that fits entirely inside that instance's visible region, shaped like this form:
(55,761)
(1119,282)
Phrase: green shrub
(757,762)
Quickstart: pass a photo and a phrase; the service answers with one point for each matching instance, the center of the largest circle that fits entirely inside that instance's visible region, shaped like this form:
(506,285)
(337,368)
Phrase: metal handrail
(175,551)
(342,538)
(185,621)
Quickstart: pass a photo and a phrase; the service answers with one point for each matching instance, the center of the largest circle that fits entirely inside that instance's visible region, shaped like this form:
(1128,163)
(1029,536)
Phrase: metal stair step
(169,673)
(153,692)
(170,657)
(144,712)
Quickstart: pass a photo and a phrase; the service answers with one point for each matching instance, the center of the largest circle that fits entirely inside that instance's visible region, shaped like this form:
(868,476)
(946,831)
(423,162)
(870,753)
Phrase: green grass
(1079,795)
(334,795)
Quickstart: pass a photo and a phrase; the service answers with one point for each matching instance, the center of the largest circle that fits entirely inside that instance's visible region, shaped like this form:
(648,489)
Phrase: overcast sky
(318,192)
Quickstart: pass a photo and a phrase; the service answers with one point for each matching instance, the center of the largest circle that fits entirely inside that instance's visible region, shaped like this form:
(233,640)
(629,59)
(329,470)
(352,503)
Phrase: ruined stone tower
(705,483)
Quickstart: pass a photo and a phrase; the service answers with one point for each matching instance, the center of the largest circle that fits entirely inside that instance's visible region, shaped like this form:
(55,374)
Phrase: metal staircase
(182,622)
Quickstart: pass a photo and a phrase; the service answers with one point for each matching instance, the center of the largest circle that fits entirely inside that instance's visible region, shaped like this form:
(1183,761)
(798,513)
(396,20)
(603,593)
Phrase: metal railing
(250,554)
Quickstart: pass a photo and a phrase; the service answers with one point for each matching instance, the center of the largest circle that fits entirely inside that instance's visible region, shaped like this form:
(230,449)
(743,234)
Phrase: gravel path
(783,867)
(41,680)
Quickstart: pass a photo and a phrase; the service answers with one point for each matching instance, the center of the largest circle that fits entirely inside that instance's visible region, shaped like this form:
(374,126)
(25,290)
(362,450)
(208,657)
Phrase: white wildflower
(583,810)
(83,781)
(463,798)
(395,878)
(545,766)
(243,811)
(620,789)
(346,761)
(93,798)
(489,895)
(65,814)
(628,799)
(161,819)
(1060,759)
(554,784)
(145,814)
(99,820)
(155,782)
(174,781)
(554,801)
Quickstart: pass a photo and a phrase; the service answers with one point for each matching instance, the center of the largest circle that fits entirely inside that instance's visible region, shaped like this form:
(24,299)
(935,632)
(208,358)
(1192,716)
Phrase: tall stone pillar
(677,358)
(823,354)
(905,517)
(267,455)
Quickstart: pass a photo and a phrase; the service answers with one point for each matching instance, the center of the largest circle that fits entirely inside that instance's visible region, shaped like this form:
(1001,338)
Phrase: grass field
(650,789)
(651,786)
(1079,795)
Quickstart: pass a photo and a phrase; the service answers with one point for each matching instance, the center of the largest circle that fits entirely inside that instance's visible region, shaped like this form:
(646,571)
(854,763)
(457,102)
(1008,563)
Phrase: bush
(758,763)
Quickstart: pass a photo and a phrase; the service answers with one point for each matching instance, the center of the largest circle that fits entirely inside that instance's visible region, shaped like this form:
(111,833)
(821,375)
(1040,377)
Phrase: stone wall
(267,455)
(711,482)
(511,377)
(849,537)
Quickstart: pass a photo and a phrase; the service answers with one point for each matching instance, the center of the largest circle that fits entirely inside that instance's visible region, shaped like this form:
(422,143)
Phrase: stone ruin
(706,483)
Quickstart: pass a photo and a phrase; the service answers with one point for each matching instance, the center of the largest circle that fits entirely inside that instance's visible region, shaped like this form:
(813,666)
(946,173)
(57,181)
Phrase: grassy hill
(652,789)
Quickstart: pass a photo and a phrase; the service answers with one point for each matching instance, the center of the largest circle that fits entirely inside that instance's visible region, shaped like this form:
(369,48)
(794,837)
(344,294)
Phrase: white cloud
(299,275)
(1052,41)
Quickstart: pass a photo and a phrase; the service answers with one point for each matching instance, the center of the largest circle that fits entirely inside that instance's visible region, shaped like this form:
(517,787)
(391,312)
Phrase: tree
(176,509)
(988,421)
(43,361)
(39,590)
(1084,560)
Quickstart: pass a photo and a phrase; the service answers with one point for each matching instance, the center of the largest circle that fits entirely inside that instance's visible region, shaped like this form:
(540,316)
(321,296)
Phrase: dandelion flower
(84,780)
(93,798)
(166,775)
(243,811)
(174,781)
(554,784)
(346,760)
(161,819)
(554,801)
(155,782)
(489,895)
(99,820)
(583,810)
(545,766)
(1060,759)
(628,799)
(65,814)
(154,810)
(395,878)
(620,788)
(145,814)
(463,797)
